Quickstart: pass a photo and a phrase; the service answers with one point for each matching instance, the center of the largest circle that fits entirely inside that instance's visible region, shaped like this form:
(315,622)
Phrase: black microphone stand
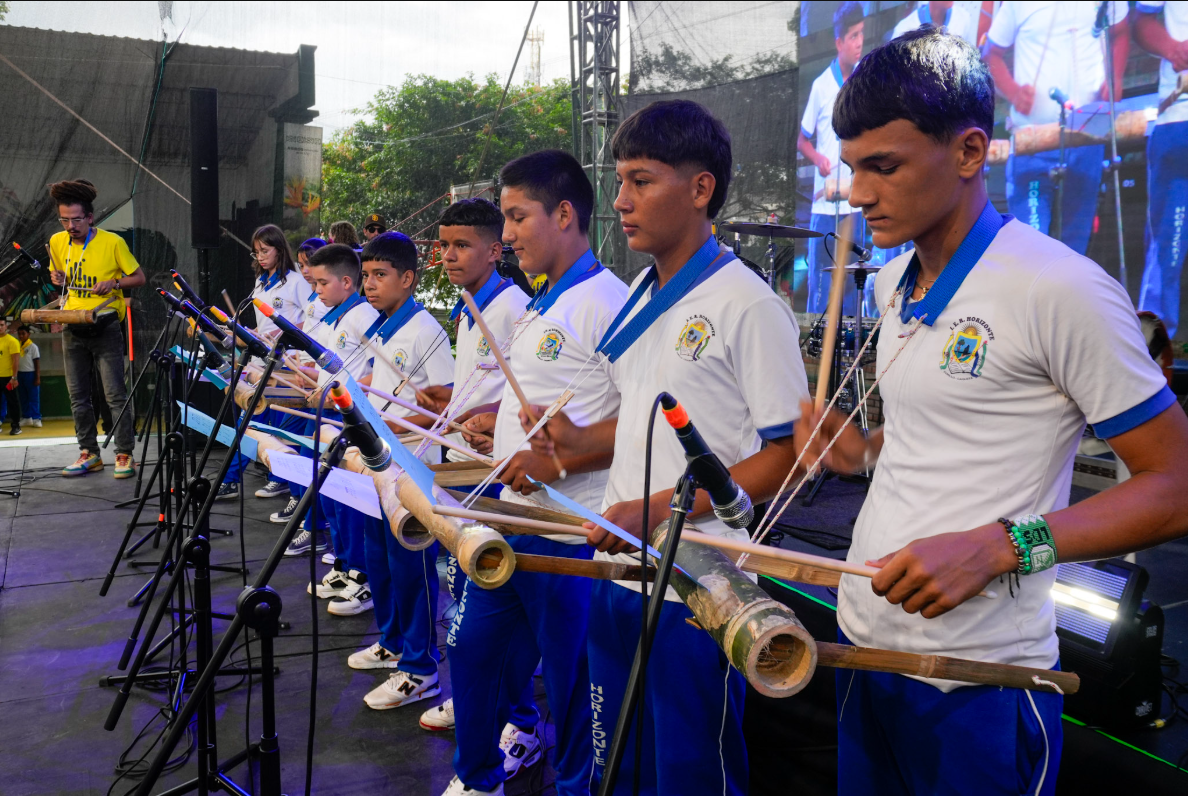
(682,504)
(1057,173)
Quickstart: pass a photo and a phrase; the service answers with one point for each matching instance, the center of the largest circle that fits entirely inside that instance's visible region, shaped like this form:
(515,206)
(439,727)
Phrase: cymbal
(855,267)
(769,230)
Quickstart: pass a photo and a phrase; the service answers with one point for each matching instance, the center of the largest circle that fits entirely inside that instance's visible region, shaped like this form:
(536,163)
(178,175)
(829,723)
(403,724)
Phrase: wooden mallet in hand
(507,372)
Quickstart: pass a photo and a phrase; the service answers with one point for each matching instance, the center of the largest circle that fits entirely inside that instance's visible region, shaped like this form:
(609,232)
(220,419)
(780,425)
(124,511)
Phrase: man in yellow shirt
(10,357)
(91,264)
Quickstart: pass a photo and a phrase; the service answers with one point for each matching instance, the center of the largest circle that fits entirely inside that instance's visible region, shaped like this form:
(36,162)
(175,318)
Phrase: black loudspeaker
(204,168)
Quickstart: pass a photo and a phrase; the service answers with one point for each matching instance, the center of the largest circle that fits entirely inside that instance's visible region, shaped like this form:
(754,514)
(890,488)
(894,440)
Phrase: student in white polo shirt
(702,327)
(403,582)
(952,17)
(546,202)
(1167,164)
(1055,46)
(1005,342)
(314,308)
(336,272)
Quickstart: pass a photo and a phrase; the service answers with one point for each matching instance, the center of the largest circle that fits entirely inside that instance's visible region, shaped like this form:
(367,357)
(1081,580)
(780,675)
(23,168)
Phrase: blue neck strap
(835,68)
(385,327)
(977,240)
(614,345)
(494,285)
(86,242)
(546,296)
(335,315)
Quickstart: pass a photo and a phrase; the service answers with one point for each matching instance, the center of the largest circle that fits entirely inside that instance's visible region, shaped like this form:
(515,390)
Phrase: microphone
(214,360)
(188,309)
(21,252)
(375,453)
(181,284)
(254,344)
(864,254)
(1060,97)
(731,504)
(325,359)
(1101,23)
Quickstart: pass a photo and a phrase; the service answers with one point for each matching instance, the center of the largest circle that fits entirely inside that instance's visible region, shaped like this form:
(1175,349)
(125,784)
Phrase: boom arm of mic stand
(202,687)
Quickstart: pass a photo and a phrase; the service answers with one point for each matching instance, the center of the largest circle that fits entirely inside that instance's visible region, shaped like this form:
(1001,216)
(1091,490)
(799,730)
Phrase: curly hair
(74,192)
(344,232)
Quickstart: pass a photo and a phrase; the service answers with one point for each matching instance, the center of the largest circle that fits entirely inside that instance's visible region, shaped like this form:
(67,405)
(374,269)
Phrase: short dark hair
(392,247)
(478,213)
(552,177)
(845,17)
(24,328)
(936,81)
(339,259)
(74,192)
(678,133)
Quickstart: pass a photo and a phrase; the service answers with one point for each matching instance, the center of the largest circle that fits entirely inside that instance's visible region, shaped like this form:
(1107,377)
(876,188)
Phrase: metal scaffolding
(594,74)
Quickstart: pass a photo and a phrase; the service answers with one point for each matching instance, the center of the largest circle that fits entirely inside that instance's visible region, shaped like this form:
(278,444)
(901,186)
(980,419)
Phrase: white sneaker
(403,688)
(273,489)
(456,788)
(35,422)
(440,718)
(521,750)
(374,657)
(355,599)
(26,421)
(329,558)
(333,584)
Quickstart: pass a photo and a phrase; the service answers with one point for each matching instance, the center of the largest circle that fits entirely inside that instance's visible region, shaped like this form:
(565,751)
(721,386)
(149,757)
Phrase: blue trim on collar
(924,14)
(311,298)
(494,285)
(582,269)
(386,326)
(835,68)
(269,281)
(1135,416)
(977,240)
(336,314)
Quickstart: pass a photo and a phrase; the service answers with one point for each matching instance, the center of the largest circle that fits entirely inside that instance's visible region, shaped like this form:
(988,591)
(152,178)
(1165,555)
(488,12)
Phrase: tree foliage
(418,139)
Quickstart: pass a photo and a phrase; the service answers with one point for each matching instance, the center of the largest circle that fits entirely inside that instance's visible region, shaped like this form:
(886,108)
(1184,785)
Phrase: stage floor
(58,638)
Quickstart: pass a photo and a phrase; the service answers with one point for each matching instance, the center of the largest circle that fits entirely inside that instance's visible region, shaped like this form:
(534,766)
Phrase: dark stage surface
(58,638)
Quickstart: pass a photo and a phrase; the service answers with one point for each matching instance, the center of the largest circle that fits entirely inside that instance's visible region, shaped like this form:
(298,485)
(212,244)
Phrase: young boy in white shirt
(1032,341)
(29,379)
(403,582)
(343,330)
(547,202)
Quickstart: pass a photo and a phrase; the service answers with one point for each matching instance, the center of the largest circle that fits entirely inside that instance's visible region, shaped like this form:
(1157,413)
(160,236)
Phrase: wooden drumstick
(420,410)
(230,303)
(506,368)
(837,287)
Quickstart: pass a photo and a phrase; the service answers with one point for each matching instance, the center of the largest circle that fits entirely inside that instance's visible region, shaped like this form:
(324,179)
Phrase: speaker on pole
(204,179)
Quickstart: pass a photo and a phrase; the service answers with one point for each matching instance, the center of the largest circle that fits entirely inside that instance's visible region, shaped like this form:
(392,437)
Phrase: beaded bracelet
(1033,543)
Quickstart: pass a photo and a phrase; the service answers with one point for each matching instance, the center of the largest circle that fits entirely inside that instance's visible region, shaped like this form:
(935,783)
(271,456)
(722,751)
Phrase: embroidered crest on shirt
(695,338)
(550,345)
(483,347)
(967,348)
(341,342)
(399,358)
(278,302)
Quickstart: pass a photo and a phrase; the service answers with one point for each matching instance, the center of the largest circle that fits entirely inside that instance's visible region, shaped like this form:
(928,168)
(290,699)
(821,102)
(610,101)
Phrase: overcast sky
(362,47)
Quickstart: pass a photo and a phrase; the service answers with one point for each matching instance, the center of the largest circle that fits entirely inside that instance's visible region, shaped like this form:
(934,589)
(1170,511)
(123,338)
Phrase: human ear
(973,147)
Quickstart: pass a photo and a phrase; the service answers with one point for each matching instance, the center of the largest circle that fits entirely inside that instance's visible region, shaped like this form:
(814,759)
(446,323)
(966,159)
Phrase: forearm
(1120,41)
(806,147)
(587,462)
(1004,81)
(596,439)
(1153,37)
(1146,510)
(134,279)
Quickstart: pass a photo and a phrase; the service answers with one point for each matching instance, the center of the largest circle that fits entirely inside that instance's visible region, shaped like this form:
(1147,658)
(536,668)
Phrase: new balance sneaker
(284,514)
(124,467)
(521,750)
(402,688)
(374,657)
(440,718)
(334,583)
(302,543)
(228,491)
(456,788)
(87,463)
(273,489)
(355,599)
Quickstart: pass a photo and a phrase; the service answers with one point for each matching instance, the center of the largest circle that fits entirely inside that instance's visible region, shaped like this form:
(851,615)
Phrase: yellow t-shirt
(9,345)
(105,257)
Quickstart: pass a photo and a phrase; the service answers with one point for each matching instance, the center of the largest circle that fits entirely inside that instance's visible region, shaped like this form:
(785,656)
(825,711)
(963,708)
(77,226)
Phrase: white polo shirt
(1054,48)
(472,352)
(553,349)
(728,352)
(983,411)
(344,336)
(958,21)
(1175,20)
(408,348)
(818,121)
(286,297)
(315,310)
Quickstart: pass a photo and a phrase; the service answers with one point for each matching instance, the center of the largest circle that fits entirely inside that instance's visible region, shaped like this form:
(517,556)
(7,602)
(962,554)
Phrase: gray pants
(103,355)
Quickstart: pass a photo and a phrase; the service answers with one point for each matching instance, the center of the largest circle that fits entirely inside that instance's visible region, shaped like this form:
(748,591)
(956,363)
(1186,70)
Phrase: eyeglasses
(66,222)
